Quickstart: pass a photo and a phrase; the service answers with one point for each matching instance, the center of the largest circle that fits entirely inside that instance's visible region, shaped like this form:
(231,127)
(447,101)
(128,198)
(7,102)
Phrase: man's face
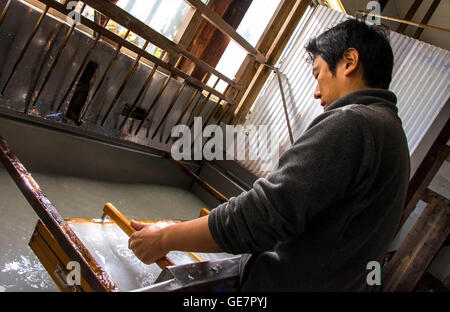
(328,86)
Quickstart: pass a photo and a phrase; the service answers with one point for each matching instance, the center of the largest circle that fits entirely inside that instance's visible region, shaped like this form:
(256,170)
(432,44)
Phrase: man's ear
(351,61)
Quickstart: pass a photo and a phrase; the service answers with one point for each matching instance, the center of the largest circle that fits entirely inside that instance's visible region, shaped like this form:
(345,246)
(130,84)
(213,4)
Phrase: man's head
(348,57)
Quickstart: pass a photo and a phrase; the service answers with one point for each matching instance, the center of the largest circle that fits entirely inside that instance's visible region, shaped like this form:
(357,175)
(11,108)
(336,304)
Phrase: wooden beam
(418,249)
(409,15)
(430,165)
(224,27)
(276,37)
(204,33)
(427,18)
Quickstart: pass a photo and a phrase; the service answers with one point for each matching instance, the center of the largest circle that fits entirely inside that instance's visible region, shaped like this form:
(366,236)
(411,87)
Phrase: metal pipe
(160,92)
(116,53)
(283,99)
(25,48)
(174,100)
(80,69)
(124,83)
(55,61)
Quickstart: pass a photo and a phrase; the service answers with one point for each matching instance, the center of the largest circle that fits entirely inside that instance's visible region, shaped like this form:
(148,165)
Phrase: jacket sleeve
(317,171)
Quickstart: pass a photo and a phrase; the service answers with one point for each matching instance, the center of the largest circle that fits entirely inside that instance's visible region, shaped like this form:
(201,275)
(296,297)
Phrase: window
(251,28)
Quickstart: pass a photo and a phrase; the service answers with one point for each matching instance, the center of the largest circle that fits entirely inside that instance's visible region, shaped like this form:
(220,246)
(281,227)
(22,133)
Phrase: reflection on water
(20,269)
(30,271)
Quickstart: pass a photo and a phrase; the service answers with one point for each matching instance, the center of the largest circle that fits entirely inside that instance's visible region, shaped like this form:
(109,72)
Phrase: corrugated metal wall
(420,80)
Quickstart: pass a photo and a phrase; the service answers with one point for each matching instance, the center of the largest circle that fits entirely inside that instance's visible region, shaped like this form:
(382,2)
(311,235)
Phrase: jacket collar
(366,97)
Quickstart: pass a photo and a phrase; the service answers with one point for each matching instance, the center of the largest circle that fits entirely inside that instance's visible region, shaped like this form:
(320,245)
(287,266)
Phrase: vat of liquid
(108,245)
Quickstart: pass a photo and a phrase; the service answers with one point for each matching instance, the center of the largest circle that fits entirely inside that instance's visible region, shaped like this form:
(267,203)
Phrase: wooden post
(420,246)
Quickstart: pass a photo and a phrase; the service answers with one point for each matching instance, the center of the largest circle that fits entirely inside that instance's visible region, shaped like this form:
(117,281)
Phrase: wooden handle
(119,219)
(125,225)
(204,212)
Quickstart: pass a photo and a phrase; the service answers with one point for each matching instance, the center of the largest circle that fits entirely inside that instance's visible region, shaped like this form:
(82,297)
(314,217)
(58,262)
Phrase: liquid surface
(20,269)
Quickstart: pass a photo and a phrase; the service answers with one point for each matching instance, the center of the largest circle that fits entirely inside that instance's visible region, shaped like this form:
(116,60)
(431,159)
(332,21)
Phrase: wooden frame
(54,241)
(58,227)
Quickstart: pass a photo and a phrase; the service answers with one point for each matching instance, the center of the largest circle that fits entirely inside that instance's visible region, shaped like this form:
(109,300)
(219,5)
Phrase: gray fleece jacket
(332,206)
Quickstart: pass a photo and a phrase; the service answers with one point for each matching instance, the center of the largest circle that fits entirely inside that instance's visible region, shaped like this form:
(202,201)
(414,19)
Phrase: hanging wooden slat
(141,29)
(112,36)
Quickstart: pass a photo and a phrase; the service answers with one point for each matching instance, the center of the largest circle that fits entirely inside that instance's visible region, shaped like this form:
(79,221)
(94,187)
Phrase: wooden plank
(48,260)
(420,246)
(185,37)
(430,165)
(58,251)
(96,276)
(427,18)
(224,27)
(274,52)
(50,254)
(141,29)
(112,36)
(409,15)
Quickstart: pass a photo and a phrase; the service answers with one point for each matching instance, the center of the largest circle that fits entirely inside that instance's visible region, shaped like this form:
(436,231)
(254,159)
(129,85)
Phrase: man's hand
(150,243)
(146,242)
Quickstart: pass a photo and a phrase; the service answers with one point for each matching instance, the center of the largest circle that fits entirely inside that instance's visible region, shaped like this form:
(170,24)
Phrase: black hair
(371,42)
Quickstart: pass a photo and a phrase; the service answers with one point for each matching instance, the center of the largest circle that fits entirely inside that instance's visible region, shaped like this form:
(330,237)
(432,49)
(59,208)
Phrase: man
(335,201)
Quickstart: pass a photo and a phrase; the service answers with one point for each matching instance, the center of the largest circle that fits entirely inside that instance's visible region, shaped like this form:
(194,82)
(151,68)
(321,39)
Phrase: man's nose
(317,94)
